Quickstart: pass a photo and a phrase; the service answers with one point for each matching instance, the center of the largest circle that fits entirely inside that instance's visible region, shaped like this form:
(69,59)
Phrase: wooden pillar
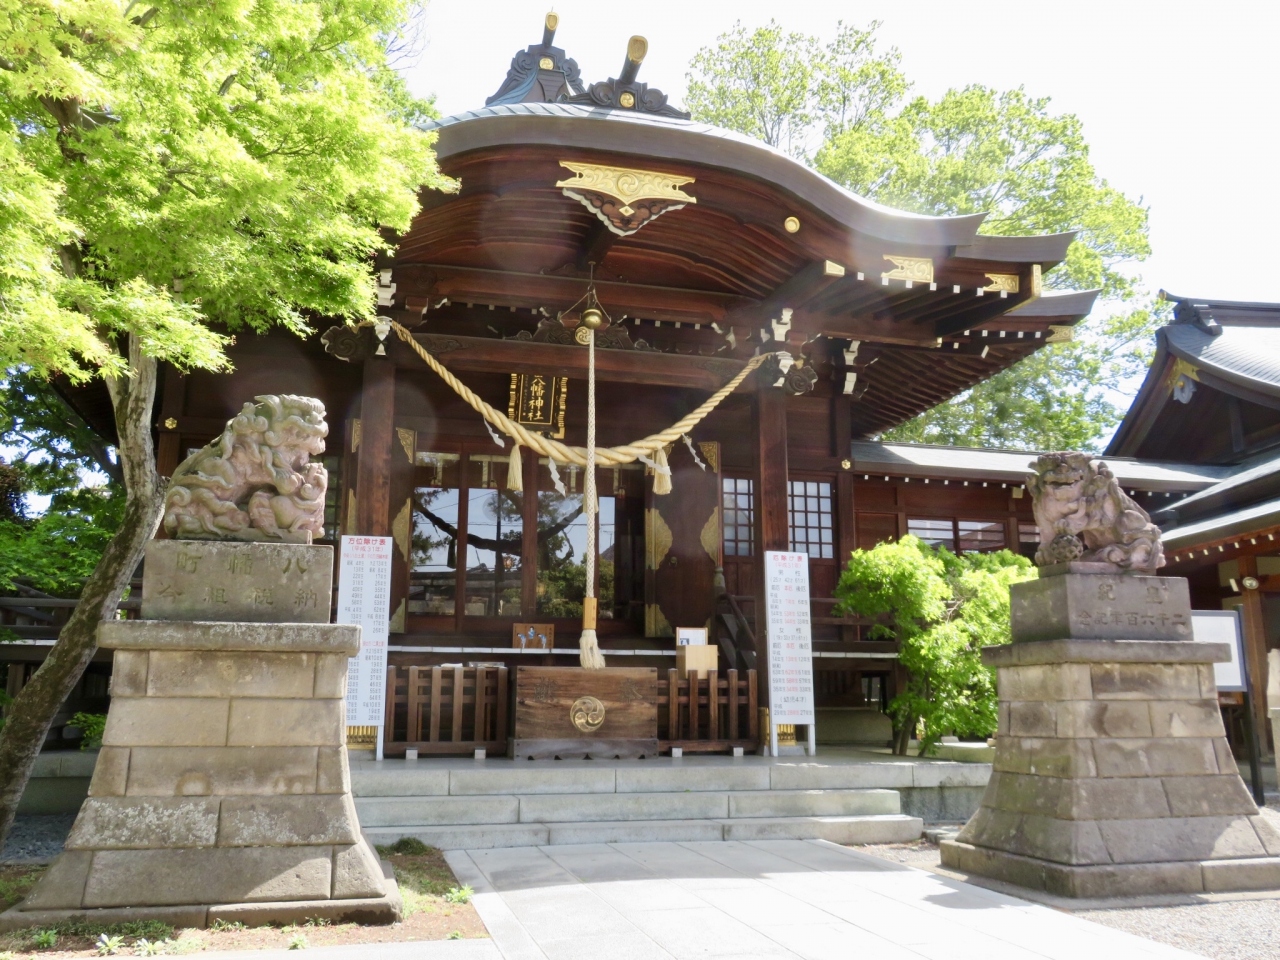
(373,463)
(172,401)
(772,528)
(1255,646)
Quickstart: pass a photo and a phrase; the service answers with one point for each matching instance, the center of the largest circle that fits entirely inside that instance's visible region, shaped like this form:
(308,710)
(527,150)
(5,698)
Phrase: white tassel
(661,472)
(515,470)
(589,655)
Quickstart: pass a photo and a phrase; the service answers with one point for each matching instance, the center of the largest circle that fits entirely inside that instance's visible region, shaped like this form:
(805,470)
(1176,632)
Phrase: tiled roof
(929,460)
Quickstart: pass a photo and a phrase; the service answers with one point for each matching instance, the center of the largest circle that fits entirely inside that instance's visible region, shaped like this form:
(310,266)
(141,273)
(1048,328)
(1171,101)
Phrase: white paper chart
(364,598)
(790,637)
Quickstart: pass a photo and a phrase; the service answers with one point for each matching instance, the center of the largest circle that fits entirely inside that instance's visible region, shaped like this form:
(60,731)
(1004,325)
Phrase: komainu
(256,481)
(1084,515)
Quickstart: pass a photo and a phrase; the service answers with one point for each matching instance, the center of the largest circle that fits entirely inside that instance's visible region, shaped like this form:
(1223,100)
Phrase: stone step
(497,777)
(887,828)
(563,808)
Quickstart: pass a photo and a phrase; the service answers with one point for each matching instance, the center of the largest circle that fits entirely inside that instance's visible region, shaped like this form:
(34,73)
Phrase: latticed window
(738,499)
(809,513)
(958,536)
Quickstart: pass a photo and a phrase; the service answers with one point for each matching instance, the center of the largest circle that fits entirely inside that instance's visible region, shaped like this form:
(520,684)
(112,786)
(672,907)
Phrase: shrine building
(704,248)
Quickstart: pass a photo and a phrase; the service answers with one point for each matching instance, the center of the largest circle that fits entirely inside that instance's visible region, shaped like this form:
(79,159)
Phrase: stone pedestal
(1112,773)
(222,790)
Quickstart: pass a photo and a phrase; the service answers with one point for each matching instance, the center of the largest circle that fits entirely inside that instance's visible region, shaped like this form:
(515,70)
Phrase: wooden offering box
(568,713)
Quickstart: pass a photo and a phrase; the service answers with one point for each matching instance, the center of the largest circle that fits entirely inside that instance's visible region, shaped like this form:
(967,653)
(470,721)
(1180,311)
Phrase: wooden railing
(31,614)
(446,710)
(708,713)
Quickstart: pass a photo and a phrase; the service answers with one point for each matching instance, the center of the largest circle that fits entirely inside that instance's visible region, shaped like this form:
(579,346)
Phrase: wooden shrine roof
(1213,350)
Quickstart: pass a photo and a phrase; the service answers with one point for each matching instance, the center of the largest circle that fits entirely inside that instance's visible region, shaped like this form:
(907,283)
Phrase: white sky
(1180,100)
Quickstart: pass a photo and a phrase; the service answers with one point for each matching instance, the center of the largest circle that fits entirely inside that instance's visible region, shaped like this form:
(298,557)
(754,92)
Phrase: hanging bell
(592,318)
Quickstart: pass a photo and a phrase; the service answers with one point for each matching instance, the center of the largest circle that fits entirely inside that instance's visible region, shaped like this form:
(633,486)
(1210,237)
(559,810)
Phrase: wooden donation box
(572,713)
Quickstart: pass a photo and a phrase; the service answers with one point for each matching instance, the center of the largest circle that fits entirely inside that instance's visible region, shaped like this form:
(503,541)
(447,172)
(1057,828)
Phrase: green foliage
(298,942)
(44,939)
(974,150)
(410,846)
(92,725)
(57,551)
(16,881)
(778,86)
(178,166)
(942,609)
(109,945)
(461,894)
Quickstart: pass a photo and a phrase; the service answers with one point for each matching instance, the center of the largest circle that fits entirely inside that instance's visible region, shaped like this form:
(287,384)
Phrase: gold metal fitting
(592,318)
(170,423)
(627,99)
(791,224)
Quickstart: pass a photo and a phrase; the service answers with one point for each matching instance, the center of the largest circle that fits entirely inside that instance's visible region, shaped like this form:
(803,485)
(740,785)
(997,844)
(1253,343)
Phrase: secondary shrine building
(704,248)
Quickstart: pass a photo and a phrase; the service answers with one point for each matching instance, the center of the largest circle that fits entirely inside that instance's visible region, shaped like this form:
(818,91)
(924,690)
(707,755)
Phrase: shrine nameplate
(568,712)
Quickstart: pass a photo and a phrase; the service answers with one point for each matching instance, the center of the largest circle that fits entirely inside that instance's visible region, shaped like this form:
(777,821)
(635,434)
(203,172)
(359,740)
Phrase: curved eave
(1247,366)
(1047,250)
(662,138)
(1070,306)
(1151,397)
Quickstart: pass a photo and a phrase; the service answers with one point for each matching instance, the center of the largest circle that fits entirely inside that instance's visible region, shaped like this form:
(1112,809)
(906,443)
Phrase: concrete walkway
(769,898)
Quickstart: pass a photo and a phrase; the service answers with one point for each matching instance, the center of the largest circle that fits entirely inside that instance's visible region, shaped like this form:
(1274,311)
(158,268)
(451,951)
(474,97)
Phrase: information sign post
(364,598)
(1223,626)
(790,644)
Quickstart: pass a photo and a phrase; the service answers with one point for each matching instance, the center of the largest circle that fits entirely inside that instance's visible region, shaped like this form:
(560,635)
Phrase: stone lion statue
(256,481)
(1084,515)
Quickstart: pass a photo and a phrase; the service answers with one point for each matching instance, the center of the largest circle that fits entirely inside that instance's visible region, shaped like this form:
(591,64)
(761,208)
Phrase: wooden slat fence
(711,712)
(446,710)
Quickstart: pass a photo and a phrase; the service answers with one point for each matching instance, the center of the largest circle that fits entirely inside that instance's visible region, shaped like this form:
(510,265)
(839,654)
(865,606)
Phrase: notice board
(790,638)
(364,598)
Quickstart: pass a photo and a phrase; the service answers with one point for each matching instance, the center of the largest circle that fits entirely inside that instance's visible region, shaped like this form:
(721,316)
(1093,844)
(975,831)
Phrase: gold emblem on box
(587,714)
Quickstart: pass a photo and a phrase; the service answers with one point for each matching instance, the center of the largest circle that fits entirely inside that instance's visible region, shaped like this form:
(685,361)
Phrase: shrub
(942,609)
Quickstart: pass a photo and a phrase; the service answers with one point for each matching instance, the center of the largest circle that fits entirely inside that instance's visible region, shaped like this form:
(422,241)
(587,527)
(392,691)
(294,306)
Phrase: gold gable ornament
(624,199)
(911,269)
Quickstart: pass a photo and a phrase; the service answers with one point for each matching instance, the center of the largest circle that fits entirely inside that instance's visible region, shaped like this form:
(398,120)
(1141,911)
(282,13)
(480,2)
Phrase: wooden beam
(483,355)
(596,245)
(793,294)
(422,282)
(377,431)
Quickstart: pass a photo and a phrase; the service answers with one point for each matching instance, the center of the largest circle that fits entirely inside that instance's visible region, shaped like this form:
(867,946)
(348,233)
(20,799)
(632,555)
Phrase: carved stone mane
(256,481)
(1083,515)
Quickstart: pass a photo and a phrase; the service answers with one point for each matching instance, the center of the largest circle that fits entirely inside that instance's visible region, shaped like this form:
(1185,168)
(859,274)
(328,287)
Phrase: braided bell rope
(563,453)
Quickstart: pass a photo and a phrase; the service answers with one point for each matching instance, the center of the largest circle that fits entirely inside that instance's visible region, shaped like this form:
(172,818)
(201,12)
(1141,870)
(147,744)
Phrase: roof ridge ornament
(624,92)
(542,73)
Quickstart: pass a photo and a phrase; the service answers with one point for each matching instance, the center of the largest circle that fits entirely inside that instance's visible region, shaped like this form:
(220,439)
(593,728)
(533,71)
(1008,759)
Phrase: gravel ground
(36,839)
(1247,928)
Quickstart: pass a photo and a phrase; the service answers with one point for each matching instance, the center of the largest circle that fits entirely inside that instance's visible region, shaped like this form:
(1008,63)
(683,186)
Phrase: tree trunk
(902,742)
(29,717)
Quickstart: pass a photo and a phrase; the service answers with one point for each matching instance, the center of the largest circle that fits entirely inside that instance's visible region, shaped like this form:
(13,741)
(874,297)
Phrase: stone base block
(370,911)
(15,918)
(1113,880)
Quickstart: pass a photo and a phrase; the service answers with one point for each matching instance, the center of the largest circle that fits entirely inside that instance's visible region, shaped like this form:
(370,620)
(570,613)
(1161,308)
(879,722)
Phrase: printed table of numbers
(790,637)
(364,598)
